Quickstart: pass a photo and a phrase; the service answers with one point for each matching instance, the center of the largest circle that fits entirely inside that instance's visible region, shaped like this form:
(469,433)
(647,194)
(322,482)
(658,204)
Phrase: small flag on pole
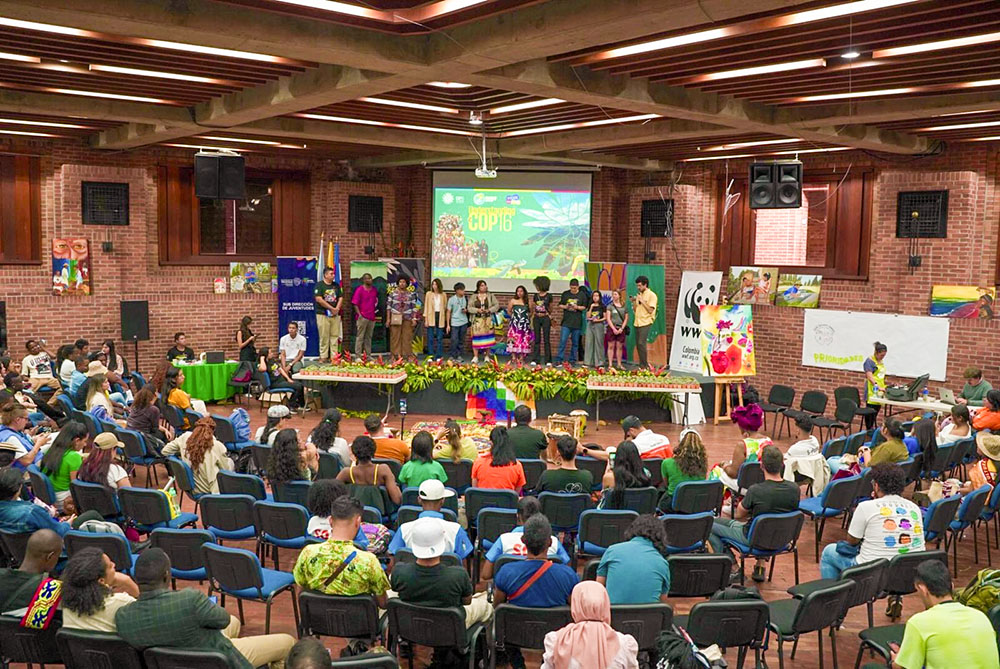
(336,263)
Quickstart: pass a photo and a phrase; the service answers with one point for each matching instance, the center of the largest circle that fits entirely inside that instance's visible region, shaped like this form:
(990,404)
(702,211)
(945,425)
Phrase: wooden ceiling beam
(30,102)
(885,111)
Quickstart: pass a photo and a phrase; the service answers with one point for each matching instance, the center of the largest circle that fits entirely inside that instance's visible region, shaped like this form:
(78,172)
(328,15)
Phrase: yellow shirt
(645,308)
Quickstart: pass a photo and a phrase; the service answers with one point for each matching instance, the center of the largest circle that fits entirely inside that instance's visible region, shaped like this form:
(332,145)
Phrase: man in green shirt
(975,388)
(337,566)
(18,586)
(947,634)
(329,301)
(567,478)
(892,449)
(528,443)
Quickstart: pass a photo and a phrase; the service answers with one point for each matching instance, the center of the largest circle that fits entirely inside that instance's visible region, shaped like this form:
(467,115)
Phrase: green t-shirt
(436,586)
(948,635)
(565,480)
(975,395)
(331,293)
(889,451)
(526,441)
(415,472)
(673,476)
(70,463)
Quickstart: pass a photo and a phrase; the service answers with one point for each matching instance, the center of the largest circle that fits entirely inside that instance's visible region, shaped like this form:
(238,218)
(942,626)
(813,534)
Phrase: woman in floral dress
(519,335)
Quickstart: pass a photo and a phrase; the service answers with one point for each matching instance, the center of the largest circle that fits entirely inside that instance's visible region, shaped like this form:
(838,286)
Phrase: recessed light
(521,106)
(582,124)
(409,105)
(851,55)
(385,124)
(18,57)
(44,124)
(154,73)
(448,84)
(110,96)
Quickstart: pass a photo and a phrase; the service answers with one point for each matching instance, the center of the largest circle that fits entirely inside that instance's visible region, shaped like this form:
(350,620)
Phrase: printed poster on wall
(296,283)
(697,289)
(727,347)
(250,277)
(70,267)
(962,301)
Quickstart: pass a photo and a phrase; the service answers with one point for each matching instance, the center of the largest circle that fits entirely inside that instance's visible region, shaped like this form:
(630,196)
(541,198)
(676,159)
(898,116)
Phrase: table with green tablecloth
(209,382)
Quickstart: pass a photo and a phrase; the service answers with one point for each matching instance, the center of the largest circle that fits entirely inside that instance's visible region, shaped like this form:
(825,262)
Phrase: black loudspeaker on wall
(657,218)
(776,185)
(219,176)
(135,321)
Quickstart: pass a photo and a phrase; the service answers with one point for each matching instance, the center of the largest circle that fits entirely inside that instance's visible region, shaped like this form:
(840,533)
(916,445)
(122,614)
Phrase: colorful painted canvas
(498,402)
(377,269)
(798,290)
(962,301)
(220,285)
(727,347)
(605,277)
(752,285)
(250,277)
(70,267)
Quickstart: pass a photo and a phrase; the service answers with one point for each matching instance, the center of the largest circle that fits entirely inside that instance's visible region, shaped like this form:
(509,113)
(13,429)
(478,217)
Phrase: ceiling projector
(483,173)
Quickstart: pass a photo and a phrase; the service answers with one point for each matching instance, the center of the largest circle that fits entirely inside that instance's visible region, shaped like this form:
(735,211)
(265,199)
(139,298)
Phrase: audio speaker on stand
(135,324)
(219,176)
(776,185)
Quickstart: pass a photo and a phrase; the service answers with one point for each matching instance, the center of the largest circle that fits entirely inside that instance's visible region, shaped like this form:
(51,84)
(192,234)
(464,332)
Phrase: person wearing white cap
(432,495)
(276,417)
(427,582)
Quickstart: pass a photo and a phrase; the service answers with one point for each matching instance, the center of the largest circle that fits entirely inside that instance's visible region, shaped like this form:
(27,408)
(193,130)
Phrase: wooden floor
(720,441)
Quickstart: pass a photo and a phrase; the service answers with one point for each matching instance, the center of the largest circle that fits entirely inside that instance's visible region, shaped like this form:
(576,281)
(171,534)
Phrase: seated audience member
(115,362)
(804,461)
(421,466)
(39,411)
(278,416)
(432,494)
(635,571)
(427,582)
(528,443)
(511,543)
(749,419)
(892,449)
(590,641)
(565,478)
(337,566)
(947,633)
(16,435)
(517,582)
(180,349)
(975,388)
(988,418)
(884,526)
(279,378)
(64,363)
(806,443)
(649,443)
(326,437)
(144,418)
(203,453)
(498,468)
(772,495)
(627,472)
(97,367)
(18,586)
(323,493)
(19,516)
(308,653)
(455,446)
(291,348)
(366,478)
(78,376)
(188,619)
(93,591)
(387,446)
(173,395)
(689,463)
(98,403)
(959,427)
(291,460)
(37,366)
(984,470)
(922,440)
(100,467)
(83,346)
(63,459)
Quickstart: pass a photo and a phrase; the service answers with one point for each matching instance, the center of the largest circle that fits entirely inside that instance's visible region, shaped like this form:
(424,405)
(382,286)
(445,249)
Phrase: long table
(916,405)
(686,392)
(390,382)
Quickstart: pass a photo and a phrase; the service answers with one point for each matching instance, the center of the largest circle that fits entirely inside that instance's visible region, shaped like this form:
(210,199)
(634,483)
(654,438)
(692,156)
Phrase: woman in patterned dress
(519,335)
(482,306)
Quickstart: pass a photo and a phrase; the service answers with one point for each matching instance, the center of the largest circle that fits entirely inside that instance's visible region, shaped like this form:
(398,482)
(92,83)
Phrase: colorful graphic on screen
(510,235)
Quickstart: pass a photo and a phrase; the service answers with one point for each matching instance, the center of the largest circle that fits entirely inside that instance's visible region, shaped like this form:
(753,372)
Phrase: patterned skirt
(483,335)
(520,338)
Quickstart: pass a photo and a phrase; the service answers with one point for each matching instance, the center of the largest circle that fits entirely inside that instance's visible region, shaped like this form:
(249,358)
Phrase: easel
(722,387)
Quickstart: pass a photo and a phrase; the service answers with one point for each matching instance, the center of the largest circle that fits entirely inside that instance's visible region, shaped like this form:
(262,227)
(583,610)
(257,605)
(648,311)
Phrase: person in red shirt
(498,469)
(988,418)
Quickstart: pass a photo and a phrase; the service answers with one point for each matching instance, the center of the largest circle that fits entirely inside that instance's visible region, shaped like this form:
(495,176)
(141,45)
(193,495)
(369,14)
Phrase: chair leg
(819,535)
(781,653)
(239,605)
(795,646)
(795,554)
(819,635)
(770,572)
(267,616)
(274,549)
(871,614)
(857,660)
(975,541)
(295,607)
(833,645)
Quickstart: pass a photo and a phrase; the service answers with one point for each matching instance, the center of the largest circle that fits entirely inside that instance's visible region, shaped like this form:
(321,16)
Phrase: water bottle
(925,394)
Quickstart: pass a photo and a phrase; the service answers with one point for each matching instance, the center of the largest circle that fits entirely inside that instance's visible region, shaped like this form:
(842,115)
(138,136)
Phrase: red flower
(720,362)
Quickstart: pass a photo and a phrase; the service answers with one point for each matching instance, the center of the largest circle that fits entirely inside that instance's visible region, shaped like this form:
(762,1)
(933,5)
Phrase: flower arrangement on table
(526,381)
(353,371)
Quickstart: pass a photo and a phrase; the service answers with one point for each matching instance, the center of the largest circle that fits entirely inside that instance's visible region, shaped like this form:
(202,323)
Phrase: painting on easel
(727,347)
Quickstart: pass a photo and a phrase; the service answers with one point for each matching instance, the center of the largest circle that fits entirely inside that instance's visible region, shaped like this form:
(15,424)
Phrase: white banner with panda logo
(697,289)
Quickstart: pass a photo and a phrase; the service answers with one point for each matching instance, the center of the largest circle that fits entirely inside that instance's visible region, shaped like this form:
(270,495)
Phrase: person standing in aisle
(874,381)
(458,320)
(542,320)
(365,301)
(329,303)
(573,302)
(644,305)
(593,355)
(436,311)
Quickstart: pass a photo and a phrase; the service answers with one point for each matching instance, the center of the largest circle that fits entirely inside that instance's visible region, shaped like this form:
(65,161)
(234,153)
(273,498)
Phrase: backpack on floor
(243,374)
(983,592)
(243,461)
(241,423)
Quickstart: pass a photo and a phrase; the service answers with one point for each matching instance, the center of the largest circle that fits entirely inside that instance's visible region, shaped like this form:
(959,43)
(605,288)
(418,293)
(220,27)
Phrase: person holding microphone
(644,305)
(874,381)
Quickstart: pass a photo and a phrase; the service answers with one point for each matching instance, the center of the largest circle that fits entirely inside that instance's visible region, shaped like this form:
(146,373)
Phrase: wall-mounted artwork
(962,301)
(70,267)
(605,277)
(798,290)
(251,277)
(752,285)
(727,347)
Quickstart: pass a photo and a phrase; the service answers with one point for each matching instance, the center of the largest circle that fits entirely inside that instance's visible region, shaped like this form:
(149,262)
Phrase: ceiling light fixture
(448,84)
(199,147)
(240,139)
(850,55)
(213,51)
(973,111)
(475,119)
(409,105)
(110,96)
(43,27)
(958,126)
(931,88)
(521,106)
(44,124)
(385,124)
(18,57)
(770,153)
(154,73)
(27,133)
(956,43)
(995,138)
(582,124)
(743,145)
(761,69)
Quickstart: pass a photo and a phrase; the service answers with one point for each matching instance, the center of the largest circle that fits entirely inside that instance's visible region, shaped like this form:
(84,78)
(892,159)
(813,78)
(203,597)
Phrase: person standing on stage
(573,302)
(435,311)
(644,305)
(617,321)
(458,320)
(403,314)
(542,320)
(365,301)
(593,355)
(519,335)
(874,381)
(329,302)
(482,306)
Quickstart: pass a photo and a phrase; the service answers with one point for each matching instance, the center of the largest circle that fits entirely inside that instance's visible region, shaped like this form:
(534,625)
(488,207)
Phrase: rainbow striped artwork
(962,301)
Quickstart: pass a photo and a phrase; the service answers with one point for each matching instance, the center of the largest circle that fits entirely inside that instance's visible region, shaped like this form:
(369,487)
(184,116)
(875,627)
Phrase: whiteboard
(843,339)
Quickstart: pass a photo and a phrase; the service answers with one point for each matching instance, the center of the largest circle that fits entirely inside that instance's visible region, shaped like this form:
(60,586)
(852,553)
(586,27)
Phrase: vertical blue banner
(296,283)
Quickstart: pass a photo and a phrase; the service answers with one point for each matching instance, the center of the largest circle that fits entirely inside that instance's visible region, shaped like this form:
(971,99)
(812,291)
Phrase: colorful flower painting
(962,301)
(727,347)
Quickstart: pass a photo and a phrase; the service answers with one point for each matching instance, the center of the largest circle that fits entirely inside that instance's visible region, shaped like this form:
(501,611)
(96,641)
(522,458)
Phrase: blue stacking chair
(835,500)
(41,485)
(564,509)
(115,546)
(265,387)
(968,515)
(688,532)
(96,497)
(231,483)
(184,549)
(989,513)
(226,433)
(770,535)
(490,524)
(229,516)
(93,425)
(237,572)
(150,510)
(184,477)
(66,404)
(281,526)
(138,453)
(601,529)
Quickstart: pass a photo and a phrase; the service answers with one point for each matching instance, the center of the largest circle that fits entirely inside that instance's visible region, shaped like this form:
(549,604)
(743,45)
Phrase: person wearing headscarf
(589,642)
(749,419)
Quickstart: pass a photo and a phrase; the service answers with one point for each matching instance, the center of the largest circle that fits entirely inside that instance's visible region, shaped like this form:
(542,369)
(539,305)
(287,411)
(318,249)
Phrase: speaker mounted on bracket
(219,176)
(776,185)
